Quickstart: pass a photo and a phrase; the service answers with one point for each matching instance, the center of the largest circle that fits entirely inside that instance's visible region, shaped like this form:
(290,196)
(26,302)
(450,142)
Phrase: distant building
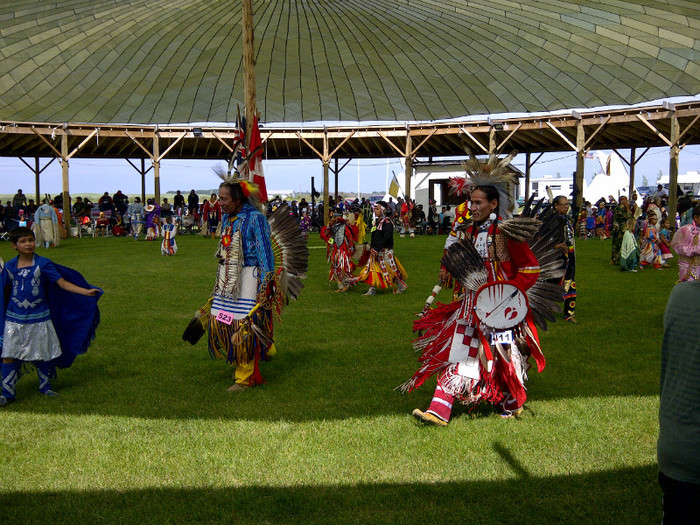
(282,194)
(431,181)
(558,185)
(689,182)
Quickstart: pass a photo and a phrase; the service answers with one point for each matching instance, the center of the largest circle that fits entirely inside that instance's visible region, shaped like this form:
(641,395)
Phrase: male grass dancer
(479,344)
(340,237)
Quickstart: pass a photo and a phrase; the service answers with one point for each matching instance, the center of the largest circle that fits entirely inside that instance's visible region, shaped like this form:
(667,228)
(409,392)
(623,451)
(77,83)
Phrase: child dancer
(629,252)
(29,334)
(665,241)
(651,253)
(169,230)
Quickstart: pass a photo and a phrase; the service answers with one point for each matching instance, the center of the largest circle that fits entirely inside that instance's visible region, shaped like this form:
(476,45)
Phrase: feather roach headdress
(494,172)
(250,190)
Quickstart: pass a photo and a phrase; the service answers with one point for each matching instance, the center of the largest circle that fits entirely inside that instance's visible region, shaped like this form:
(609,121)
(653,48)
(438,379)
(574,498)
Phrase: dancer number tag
(504,338)
(224,317)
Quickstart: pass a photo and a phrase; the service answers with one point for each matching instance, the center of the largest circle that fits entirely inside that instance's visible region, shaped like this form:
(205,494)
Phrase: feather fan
(465,264)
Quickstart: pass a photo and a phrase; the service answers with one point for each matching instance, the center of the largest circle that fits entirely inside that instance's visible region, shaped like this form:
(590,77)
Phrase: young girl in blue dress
(29,334)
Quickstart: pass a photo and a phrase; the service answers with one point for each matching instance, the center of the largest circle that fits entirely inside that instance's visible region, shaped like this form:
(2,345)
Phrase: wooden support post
(326,211)
(633,164)
(335,172)
(37,171)
(66,188)
(673,171)
(249,92)
(492,141)
(408,171)
(143,181)
(326,163)
(580,154)
(527,176)
(156,167)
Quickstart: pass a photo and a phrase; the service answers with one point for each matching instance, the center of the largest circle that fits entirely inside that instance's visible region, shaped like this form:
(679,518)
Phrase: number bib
(505,337)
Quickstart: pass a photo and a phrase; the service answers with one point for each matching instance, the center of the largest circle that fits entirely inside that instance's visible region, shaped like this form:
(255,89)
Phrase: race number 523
(224,317)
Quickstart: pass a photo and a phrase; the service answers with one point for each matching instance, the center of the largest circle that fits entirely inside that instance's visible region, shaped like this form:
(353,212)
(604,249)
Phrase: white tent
(612,180)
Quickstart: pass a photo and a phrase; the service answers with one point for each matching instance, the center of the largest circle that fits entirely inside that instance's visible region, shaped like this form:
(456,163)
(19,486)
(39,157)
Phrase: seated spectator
(419,218)
(166,209)
(20,199)
(179,203)
(446,220)
(31,207)
(120,202)
(118,229)
(105,203)
(79,207)
(102,224)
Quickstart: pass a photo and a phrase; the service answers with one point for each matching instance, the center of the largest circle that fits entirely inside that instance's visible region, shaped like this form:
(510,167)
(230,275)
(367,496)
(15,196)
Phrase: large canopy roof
(180,61)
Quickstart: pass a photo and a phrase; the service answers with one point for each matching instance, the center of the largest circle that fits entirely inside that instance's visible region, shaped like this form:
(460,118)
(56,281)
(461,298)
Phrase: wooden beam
(162,156)
(150,155)
(565,139)
(87,139)
(588,144)
(415,150)
(398,150)
(505,141)
(332,154)
(483,148)
(656,131)
(58,153)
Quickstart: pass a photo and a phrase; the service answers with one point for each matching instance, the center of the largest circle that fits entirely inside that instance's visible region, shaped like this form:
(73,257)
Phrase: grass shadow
(625,496)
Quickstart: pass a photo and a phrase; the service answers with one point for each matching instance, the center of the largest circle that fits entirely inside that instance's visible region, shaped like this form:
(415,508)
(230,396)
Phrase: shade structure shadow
(615,496)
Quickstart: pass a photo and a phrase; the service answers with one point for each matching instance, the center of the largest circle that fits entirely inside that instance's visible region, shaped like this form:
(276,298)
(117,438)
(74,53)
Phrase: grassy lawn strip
(144,430)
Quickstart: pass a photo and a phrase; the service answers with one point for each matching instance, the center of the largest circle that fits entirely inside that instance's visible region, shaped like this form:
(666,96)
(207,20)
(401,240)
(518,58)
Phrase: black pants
(681,501)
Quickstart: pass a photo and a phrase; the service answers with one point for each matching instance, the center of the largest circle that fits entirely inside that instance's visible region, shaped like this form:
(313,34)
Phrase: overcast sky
(98,176)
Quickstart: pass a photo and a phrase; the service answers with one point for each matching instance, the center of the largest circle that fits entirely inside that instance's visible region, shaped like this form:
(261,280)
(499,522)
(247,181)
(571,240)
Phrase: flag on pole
(255,163)
(394,187)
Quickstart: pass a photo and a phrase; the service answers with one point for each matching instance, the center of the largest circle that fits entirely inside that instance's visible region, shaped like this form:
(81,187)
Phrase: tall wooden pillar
(633,164)
(37,171)
(249,92)
(527,176)
(156,167)
(66,192)
(143,181)
(408,171)
(335,172)
(326,163)
(580,154)
(326,169)
(673,171)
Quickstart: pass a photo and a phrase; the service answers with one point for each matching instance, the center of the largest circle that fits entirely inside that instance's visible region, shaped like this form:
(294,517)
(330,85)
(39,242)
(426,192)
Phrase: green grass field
(145,432)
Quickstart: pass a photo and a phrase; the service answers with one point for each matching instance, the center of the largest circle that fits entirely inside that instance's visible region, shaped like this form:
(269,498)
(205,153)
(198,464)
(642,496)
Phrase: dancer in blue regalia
(50,317)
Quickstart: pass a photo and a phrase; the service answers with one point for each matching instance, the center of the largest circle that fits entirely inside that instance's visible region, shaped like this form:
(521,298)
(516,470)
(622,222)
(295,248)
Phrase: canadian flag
(255,165)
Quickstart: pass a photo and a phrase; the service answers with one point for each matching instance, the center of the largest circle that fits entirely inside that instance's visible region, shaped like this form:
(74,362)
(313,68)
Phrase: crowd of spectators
(593,220)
